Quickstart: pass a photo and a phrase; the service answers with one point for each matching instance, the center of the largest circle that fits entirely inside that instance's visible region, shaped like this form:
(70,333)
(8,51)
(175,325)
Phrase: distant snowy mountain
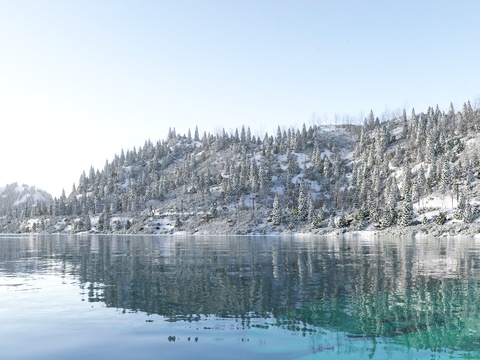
(419,171)
(22,200)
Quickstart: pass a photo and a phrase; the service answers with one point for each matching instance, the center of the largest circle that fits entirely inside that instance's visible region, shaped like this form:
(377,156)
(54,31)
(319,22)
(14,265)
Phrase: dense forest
(415,169)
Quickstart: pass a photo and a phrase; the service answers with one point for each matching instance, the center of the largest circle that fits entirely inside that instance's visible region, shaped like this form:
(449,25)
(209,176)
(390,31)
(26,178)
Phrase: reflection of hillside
(415,291)
(445,312)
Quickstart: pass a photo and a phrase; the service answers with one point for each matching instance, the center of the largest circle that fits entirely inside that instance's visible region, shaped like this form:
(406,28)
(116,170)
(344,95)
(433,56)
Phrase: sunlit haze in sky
(80,80)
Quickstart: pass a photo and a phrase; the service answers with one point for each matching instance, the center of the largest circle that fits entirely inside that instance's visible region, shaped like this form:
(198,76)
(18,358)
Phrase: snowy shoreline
(145,225)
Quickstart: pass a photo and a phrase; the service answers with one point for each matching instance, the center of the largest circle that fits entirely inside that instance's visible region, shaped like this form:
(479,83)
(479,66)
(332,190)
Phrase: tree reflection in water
(422,294)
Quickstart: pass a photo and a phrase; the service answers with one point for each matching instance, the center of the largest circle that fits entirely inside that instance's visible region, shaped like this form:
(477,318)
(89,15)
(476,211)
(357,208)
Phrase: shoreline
(416,231)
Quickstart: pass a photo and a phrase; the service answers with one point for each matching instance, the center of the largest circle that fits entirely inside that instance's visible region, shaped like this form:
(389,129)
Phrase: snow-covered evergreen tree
(440,219)
(276,211)
(388,217)
(360,219)
(467,213)
(342,221)
(87,223)
(302,208)
(407,182)
(406,212)
(331,222)
(213,209)
(445,177)
(100,223)
(311,211)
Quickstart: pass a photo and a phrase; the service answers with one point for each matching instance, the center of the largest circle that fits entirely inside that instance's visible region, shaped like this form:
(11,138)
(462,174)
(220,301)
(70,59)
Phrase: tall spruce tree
(302,208)
(276,211)
(445,176)
(406,212)
(407,182)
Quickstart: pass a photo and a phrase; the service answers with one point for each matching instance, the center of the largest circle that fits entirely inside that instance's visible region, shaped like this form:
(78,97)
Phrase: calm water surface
(136,297)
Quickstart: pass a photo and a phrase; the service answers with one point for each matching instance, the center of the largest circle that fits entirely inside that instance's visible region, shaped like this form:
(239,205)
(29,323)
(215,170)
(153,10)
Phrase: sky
(82,80)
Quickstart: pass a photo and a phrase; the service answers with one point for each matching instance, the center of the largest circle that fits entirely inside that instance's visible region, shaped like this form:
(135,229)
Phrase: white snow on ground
(297,178)
(302,160)
(315,186)
(434,201)
(327,153)
(330,128)
(348,156)
(397,131)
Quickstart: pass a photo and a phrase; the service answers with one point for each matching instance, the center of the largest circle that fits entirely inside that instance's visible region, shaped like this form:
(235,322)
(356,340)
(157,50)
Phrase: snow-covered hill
(413,172)
(23,201)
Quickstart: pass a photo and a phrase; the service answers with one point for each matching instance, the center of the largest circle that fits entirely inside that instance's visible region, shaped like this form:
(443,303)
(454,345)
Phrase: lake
(166,297)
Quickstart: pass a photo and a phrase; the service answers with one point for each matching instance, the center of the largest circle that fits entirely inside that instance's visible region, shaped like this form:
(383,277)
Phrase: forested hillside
(22,201)
(418,169)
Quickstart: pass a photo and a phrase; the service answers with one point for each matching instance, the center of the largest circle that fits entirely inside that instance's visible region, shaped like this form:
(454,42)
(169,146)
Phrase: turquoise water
(138,297)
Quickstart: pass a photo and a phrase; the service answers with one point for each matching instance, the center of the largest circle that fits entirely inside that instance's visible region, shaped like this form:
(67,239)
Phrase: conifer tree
(373,211)
(388,217)
(196,135)
(467,213)
(311,211)
(336,168)
(128,224)
(327,169)
(430,156)
(320,216)
(371,120)
(331,222)
(404,124)
(421,182)
(445,179)
(118,224)
(360,218)
(302,208)
(213,209)
(407,182)
(100,223)
(424,220)
(406,213)
(106,220)
(441,218)
(459,211)
(342,221)
(87,223)
(254,177)
(276,211)
(412,129)
(63,204)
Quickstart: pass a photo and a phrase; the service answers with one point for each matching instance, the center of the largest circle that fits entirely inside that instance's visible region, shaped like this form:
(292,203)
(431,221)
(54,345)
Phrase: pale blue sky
(80,80)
